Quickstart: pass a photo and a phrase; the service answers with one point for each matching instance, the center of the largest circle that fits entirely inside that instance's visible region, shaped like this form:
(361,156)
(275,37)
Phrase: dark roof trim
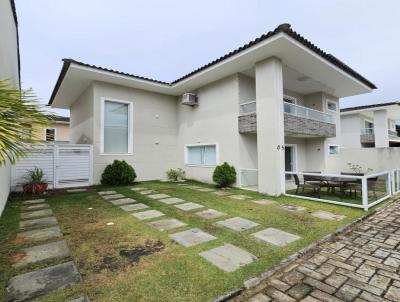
(369,106)
(14,10)
(283,28)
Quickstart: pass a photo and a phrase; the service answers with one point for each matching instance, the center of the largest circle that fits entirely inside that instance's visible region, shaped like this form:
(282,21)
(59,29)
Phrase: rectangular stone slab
(292,208)
(264,202)
(221,193)
(138,189)
(210,214)
(36,223)
(34,214)
(122,201)
(166,224)
(33,207)
(240,197)
(134,207)
(191,237)
(238,224)
(188,206)
(158,196)
(147,192)
(228,257)
(172,200)
(43,281)
(148,214)
(206,190)
(106,192)
(113,196)
(328,216)
(193,187)
(44,252)
(41,234)
(275,236)
(33,201)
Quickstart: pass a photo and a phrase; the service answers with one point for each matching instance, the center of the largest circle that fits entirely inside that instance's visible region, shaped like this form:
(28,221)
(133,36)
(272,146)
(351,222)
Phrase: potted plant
(35,182)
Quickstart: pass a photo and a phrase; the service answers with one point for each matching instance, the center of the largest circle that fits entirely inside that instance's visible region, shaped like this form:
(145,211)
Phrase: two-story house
(370,126)
(269,106)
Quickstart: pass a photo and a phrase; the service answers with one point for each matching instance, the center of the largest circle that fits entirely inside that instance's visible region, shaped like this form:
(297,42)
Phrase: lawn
(160,269)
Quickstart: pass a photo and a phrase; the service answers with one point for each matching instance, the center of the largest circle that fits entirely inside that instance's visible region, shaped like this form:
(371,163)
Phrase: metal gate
(64,166)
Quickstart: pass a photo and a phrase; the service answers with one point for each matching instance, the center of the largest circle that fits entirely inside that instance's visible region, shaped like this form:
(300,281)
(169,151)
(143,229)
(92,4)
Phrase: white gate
(64,166)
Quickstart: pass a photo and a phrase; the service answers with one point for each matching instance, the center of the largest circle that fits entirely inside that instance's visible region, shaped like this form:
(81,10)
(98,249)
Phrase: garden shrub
(118,173)
(175,174)
(224,175)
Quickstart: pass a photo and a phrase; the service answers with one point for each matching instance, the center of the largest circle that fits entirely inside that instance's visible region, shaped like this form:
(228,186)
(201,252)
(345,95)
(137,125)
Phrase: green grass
(176,273)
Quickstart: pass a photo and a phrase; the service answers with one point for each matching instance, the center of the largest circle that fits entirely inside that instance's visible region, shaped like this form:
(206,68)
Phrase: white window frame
(130,126)
(369,121)
(294,155)
(332,102)
(333,145)
(186,151)
(294,99)
(45,134)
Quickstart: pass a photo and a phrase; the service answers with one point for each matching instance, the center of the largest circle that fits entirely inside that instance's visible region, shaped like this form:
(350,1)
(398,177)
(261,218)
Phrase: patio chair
(312,185)
(353,185)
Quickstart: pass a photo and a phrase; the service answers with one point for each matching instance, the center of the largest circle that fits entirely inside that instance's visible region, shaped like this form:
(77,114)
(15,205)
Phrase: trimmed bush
(224,175)
(119,173)
(175,174)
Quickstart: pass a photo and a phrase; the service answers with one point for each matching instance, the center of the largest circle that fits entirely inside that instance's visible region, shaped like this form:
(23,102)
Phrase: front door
(289,160)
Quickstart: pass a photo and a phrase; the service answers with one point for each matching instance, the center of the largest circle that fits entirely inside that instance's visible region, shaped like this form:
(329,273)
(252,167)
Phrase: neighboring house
(58,132)
(9,69)
(371,126)
(269,106)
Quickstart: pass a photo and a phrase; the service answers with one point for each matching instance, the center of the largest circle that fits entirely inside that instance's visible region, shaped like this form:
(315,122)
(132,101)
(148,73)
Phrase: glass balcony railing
(367,131)
(309,113)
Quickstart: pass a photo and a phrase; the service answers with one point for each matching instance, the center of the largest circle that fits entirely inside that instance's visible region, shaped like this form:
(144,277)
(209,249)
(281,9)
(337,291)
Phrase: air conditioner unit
(190,99)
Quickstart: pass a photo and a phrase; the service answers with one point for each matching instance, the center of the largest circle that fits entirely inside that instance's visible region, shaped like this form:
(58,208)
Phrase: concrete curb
(254,281)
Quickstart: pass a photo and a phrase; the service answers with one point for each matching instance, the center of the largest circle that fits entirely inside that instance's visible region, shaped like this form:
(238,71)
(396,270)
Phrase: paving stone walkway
(360,265)
(40,282)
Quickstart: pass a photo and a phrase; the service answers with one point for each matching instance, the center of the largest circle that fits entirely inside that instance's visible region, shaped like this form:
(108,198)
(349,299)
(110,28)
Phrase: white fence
(348,190)
(64,166)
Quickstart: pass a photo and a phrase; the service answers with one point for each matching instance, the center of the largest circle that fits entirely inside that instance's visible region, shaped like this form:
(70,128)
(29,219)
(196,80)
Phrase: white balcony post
(364,188)
(270,128)
(381,129)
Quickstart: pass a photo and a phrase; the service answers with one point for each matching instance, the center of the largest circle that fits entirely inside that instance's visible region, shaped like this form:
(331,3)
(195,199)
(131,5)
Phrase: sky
(167,39)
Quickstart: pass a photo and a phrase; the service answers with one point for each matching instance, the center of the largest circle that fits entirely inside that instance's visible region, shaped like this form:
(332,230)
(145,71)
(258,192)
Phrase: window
(333,149)
(332,106)
(117,127)
(368,124)
(50,135)
(289,99)
(205,155)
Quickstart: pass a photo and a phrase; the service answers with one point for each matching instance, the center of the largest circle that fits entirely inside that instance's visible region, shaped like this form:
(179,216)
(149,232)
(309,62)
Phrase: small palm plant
(35,182)
(19,111)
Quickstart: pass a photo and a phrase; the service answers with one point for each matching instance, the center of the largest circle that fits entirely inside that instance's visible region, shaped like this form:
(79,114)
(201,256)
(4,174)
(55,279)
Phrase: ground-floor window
(201,155)
(333,149)
(50,135)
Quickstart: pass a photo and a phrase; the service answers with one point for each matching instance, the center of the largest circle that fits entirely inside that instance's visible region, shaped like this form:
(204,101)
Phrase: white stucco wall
(351,130)
(81,120)
(8,70)
(215,120)
(154,120)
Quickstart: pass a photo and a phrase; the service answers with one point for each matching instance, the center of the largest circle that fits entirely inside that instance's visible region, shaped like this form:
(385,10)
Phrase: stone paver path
(360,265)
(34,284)
(189,206)
(264,202)
(275,236)
(148,214)
(238,224)
(210,214)
(228,257)
(158,196)
(134,207)
(106,192)
(166,224)
(40,234)
(138,189)
(113,196)
(122,201)
(328,216)
(35,207)
(33,201)
(35,214)
(221,193)
(292,208)
(38,223)
(205,190)
(147,192)
(172,200)
(192,237)
(240,197)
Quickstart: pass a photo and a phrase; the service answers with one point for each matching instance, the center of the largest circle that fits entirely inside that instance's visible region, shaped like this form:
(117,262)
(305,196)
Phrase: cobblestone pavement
(360,265)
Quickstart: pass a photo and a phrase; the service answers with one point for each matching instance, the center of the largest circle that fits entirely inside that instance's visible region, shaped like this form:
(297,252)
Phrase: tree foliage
(19,110)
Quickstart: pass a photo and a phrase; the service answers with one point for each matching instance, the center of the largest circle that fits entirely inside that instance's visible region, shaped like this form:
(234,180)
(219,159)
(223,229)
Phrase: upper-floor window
(368,124)
(116,127)
(289,99)
(201,155)
(332,106)
(50,135)
(333,149)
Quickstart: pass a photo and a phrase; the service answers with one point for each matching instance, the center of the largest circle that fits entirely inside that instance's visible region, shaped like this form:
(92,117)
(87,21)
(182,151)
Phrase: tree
(19,110)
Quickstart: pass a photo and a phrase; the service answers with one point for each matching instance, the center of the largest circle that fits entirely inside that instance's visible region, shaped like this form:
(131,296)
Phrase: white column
(381,129)
(270,128)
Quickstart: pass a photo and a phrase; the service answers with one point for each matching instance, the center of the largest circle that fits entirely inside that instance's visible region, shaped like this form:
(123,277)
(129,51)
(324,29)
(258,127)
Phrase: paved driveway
(361,265)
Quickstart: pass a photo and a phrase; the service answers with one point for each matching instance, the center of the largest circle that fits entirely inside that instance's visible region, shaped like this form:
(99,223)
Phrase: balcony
(367,136)
(299,121)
